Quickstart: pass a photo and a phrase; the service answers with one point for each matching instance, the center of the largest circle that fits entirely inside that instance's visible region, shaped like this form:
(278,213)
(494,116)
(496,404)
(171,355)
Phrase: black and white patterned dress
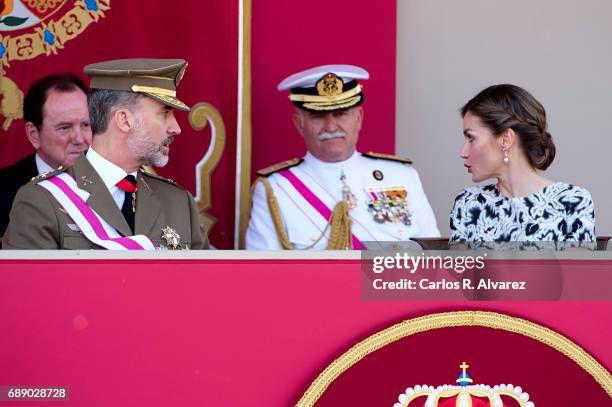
(559,212)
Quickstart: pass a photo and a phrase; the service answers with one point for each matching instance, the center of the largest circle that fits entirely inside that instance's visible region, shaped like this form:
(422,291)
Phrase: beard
(145,149)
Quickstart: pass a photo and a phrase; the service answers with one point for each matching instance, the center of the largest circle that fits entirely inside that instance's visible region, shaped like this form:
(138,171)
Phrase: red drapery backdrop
(286,37)
(206,34)
(292,36)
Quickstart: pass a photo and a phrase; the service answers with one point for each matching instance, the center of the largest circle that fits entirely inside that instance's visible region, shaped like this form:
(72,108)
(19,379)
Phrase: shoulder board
(48,174)
(144,172)
(279,167)
(388,157)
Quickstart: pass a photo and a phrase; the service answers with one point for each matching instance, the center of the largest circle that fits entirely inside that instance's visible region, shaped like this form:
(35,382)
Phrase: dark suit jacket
(38,221)
(11,179)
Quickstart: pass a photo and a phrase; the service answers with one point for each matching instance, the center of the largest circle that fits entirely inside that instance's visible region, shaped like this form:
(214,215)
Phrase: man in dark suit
(58,127)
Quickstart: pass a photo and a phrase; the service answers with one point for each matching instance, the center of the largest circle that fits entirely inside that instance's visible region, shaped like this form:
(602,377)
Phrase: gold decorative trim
(154,90)
(333,106)
(46,37)
(449,320)
(513,395)
(247,144)
(199,117)
(417,394)
(159,78)
(69,26)
(325,99)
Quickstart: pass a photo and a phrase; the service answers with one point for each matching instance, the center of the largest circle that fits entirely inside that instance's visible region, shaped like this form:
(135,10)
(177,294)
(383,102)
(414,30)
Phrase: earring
(506,158)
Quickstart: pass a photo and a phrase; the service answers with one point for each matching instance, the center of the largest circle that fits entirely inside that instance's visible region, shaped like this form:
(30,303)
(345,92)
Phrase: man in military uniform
(57,126)
(335,197)
(106,200)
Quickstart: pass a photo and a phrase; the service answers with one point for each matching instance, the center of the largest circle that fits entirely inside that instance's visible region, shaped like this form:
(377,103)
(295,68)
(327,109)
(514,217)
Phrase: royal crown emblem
(464,394)
(30,28)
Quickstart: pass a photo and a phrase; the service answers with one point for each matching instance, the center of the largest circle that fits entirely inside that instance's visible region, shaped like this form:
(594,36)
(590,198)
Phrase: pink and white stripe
(65,189)
(315,202)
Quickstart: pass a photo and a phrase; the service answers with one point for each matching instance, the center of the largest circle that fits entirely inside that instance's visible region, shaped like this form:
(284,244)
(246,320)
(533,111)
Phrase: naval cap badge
(329,85)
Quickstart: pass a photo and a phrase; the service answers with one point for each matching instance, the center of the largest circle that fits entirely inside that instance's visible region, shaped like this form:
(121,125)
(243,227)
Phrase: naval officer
(106,200)
(335,197)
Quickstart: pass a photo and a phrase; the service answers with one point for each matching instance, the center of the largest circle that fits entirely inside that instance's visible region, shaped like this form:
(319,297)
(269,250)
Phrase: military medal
(347,195)
(173,239)
(377,209)
(389,204)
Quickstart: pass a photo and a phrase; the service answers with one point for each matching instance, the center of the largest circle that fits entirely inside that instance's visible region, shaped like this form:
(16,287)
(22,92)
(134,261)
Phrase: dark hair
(503,107)
(103,102)
(36,97)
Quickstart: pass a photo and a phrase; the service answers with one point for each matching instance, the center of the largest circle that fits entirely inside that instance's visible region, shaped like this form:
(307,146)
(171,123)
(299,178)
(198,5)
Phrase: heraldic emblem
(464,393)
(30,28)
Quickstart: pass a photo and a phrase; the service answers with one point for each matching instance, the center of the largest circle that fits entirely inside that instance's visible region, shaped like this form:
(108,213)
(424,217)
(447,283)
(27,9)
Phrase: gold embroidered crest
(31,28)
(42,6)
(329,85)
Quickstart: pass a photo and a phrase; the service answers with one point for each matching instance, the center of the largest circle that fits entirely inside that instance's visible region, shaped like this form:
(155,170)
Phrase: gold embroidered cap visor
(346,96)
(156,78)
(326,88)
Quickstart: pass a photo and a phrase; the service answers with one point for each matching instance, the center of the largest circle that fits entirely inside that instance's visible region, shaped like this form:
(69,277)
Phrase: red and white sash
(65,189)
(315,202)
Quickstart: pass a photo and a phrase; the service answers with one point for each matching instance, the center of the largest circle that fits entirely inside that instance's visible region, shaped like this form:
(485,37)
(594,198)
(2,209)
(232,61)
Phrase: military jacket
(366,176)
(37,221)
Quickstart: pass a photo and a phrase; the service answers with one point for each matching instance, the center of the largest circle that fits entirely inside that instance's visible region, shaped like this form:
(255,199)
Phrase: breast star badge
(173,239)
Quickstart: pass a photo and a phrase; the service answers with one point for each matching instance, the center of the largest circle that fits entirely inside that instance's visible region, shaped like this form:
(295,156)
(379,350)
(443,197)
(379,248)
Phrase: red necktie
(128,184)
(128,209)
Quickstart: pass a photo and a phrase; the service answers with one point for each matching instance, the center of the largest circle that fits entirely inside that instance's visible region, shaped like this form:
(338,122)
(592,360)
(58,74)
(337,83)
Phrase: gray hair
(103,103)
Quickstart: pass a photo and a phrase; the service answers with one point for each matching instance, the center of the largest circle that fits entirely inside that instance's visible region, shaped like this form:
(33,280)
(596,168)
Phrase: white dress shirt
(42,165)
(110,174)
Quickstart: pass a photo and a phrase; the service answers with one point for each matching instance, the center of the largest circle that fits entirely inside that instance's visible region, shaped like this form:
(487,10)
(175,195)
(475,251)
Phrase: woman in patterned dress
(506,138)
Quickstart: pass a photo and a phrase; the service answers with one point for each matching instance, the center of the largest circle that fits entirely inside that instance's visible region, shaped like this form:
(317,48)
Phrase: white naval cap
(326,87)
(309,77)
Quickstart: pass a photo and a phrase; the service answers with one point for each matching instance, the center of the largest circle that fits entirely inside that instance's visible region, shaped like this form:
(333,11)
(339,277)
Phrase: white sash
(65,189)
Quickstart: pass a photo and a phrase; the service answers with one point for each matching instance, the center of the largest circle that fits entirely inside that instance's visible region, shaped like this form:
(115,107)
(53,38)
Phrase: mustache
(326,135)
(167,141)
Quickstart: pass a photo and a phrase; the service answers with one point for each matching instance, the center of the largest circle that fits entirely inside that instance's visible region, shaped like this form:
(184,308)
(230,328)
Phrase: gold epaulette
(48,174)
(144,171)
(388,157)
(279,167)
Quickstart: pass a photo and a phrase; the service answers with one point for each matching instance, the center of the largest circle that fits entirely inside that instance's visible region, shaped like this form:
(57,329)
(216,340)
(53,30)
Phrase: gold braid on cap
(333,106)
(322,99)
(153,90)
